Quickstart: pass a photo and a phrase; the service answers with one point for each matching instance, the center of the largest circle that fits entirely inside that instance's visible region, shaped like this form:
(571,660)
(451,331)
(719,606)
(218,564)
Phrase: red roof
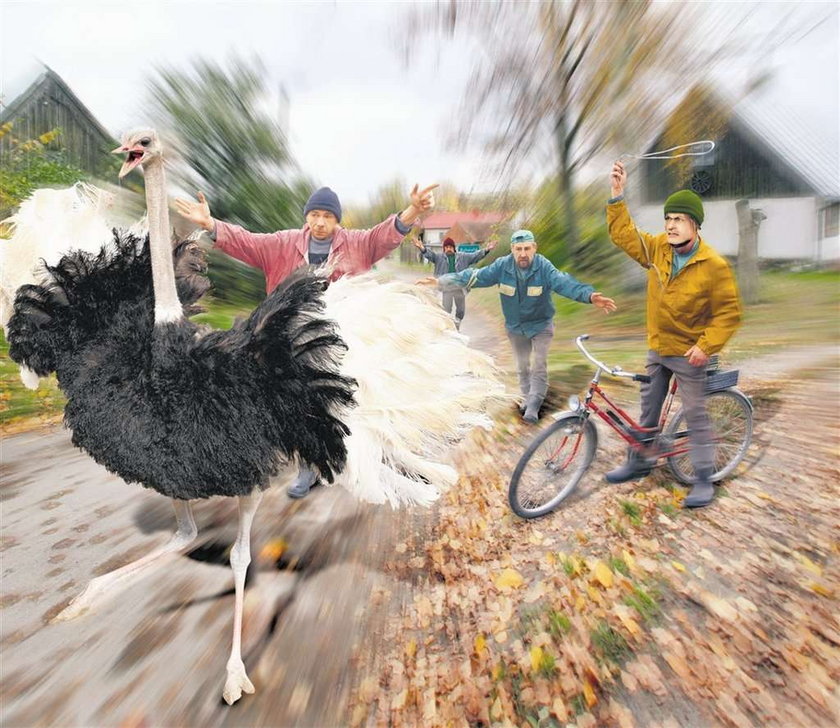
(445,220)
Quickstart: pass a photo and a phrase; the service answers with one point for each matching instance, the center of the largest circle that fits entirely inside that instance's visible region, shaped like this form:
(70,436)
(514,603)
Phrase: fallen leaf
(480,644)
(509,579)
(589,694)
(411,648)
(603,574)
(558,707)
(820,589)
(537,656)
(273,550)
(678,566)
(815,569)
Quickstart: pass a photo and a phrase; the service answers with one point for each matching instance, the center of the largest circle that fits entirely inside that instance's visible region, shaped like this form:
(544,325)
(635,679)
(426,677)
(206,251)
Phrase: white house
(776,161)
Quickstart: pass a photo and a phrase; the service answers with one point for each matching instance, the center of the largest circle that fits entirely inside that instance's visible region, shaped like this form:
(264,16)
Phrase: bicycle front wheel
(730,415)
(552,466)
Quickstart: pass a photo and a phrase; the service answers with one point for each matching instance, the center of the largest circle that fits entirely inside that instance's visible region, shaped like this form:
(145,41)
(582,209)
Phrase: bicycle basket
(716,381)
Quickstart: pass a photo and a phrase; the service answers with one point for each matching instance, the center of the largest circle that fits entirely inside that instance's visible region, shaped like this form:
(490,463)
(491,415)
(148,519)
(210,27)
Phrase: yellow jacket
(699,306)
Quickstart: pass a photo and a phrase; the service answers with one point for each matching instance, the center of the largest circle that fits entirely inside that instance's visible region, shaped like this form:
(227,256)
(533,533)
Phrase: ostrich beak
(134,157)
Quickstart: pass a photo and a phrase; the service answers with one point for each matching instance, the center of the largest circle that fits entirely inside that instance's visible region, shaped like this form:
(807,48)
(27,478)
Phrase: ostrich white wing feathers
(48,224)
(420,388)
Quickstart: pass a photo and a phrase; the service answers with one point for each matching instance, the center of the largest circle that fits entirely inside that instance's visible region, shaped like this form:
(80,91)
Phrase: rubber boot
(458,324)
(304,482)
(702,492)
(634,467)
(532,409)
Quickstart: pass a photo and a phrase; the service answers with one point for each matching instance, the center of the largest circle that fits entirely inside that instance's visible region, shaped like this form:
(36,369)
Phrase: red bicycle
(558,457)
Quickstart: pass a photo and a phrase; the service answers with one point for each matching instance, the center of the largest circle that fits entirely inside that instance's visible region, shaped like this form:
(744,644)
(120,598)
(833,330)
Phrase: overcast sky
(359,116)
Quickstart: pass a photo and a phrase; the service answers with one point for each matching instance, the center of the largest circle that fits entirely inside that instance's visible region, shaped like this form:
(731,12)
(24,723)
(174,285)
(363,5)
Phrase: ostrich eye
(145,141)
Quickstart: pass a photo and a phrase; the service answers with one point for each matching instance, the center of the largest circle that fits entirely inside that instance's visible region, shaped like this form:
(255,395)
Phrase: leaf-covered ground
(622,609)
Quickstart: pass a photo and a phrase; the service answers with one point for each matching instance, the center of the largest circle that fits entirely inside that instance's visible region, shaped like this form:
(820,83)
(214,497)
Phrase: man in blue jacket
(526,281)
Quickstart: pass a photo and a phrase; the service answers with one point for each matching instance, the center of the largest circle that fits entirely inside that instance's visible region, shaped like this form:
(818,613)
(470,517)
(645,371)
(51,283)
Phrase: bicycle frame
(642,439)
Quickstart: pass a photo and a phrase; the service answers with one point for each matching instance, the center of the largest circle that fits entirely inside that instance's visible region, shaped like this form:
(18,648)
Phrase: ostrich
(368,392)
(191,414)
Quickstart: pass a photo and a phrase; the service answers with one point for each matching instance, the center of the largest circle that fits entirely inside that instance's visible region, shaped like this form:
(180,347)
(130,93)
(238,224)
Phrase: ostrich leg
(112,582)
(240,556)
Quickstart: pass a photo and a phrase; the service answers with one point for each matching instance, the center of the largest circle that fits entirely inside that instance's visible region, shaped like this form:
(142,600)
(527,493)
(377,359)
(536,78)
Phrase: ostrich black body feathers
(187,412)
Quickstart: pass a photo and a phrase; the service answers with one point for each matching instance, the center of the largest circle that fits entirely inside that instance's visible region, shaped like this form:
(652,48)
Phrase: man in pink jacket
(321,240)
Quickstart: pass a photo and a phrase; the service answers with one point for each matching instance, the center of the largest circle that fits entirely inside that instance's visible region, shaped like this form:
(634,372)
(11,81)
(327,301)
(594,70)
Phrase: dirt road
(332,581)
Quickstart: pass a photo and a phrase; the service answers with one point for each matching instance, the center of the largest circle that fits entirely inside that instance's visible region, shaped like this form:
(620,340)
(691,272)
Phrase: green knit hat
(688,202)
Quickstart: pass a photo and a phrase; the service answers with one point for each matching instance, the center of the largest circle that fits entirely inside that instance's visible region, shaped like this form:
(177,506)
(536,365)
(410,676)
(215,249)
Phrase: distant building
(763,154)
(48,103)
(462,227)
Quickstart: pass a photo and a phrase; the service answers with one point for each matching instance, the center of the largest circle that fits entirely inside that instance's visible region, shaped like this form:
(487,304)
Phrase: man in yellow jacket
(692,310)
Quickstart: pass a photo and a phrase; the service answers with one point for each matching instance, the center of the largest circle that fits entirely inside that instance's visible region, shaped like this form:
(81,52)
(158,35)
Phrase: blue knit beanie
(324,199)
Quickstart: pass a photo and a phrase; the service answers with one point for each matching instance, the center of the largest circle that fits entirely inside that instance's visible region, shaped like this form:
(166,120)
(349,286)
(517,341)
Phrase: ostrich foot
(237,683)
(83,603)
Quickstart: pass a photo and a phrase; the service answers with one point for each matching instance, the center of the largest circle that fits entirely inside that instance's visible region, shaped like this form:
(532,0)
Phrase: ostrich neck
(167,306)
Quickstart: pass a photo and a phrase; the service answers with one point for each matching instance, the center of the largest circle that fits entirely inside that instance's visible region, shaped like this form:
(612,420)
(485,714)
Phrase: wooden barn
(48,103)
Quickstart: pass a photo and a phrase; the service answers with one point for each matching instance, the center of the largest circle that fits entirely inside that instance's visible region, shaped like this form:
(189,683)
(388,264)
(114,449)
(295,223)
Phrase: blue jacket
(525,294)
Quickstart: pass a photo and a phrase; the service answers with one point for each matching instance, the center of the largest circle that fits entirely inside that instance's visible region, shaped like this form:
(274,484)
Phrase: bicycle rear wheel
(552,466)
(730,414)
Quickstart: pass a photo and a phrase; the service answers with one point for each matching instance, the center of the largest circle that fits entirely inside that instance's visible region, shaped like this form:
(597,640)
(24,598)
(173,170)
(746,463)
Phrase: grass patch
(669,509)
(558,624)
(610,643)
(620,565)
(632,511)
(644,602)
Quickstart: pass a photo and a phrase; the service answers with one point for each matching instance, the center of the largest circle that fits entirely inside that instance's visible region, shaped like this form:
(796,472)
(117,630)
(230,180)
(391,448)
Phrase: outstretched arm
(386,236)
(429,255)
(235,241)
(623,231)
(473,277)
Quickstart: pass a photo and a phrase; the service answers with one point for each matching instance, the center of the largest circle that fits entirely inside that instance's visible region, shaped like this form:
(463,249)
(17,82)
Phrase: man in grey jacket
(450,261)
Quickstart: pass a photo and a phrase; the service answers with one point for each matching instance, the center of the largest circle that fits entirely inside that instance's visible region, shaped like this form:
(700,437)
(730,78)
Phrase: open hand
(607,305)
(618,178)
(197,212)
(427,281)
(697,357)
(417,243)
(492,243)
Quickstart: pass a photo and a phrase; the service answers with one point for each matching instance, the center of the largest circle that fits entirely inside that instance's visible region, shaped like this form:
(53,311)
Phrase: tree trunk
(566,179)
(748,224)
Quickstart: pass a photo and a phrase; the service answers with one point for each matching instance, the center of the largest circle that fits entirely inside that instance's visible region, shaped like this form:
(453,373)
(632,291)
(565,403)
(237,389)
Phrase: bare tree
(569,79)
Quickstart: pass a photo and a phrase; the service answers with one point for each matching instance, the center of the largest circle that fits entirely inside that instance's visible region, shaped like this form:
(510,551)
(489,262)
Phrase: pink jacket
(278,254)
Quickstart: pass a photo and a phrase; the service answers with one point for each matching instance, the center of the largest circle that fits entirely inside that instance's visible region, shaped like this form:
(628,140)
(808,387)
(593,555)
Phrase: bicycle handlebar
(613,371)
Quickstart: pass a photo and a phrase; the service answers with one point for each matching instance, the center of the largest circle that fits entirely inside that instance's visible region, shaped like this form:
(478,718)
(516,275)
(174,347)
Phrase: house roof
(476,230)
(445,220)
(811,155)
(809,152)
(46,74)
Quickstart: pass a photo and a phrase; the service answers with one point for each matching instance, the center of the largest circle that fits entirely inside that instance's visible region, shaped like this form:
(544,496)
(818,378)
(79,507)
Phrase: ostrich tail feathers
(420,389)
(295,351)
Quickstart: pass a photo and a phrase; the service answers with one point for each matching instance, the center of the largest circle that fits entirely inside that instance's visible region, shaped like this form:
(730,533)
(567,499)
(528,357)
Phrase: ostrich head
(140,147)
